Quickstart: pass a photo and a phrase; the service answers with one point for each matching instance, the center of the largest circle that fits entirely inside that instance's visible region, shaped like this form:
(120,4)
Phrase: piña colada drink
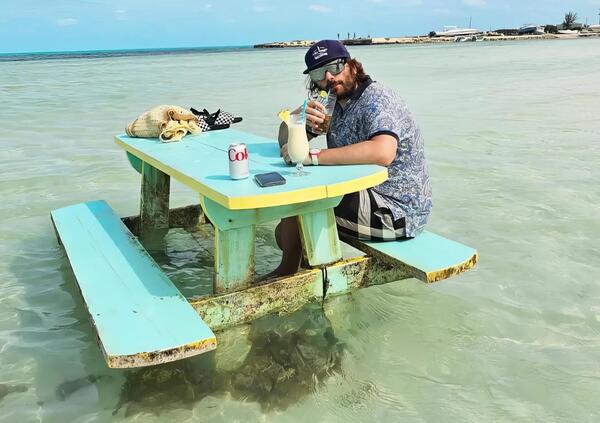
(297,142)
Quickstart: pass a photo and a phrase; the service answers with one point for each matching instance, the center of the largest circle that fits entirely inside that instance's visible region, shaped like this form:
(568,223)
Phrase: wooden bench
(139,316)
(428,257)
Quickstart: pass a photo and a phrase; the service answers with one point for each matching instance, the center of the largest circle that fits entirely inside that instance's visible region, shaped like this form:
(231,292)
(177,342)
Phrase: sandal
(213,121)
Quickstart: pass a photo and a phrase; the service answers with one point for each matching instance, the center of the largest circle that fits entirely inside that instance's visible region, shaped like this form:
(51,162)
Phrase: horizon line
(123,50)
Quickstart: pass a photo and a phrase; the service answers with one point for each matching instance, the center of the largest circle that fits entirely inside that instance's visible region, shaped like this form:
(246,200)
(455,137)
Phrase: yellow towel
(169,123)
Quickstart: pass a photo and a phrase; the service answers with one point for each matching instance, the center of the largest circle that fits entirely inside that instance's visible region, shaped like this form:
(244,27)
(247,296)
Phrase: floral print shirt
(373,110)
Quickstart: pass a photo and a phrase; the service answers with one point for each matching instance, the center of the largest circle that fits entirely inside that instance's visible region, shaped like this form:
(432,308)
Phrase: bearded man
(369,125)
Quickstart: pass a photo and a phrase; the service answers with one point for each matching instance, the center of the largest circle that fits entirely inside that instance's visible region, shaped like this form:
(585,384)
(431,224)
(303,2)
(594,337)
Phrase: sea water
(513,142)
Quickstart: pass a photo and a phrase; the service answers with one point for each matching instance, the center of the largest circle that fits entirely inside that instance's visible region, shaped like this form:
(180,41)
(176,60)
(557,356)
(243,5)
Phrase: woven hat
(169,123)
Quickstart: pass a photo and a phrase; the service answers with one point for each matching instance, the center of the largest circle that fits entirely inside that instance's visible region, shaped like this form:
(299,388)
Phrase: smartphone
(269,179)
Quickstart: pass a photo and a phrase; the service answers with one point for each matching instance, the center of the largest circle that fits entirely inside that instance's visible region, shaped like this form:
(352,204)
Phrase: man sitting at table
(370,125)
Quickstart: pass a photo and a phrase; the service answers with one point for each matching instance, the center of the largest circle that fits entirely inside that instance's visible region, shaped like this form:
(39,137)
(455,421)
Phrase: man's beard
(348,90)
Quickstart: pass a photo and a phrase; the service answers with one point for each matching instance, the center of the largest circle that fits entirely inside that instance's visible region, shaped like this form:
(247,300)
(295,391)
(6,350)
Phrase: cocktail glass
(297,142)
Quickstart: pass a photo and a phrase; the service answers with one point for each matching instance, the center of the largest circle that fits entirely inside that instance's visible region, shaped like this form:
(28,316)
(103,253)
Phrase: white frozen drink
(297,140)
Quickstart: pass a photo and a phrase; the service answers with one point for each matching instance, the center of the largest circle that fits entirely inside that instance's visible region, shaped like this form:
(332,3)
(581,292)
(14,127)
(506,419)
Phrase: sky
(74,25)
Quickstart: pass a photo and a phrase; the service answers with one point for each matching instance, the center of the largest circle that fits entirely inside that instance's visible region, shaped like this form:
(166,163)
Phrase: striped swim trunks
(364,215)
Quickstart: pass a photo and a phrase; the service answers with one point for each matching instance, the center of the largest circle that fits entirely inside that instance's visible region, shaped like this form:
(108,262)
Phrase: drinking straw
(303,110)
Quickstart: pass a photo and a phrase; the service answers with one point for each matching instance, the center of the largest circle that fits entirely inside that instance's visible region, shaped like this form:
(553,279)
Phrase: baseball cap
(323,52)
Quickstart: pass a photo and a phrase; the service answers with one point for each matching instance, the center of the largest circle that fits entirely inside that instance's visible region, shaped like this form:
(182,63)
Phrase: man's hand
(315,114)
(286,156)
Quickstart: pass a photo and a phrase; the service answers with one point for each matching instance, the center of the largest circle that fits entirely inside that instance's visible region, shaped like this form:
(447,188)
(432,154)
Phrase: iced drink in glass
(297,142)
(329,104)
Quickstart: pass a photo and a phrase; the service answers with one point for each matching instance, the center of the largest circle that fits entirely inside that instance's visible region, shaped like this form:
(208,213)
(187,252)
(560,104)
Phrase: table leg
(235,234)
(319,236)
(154,200)
(234,258)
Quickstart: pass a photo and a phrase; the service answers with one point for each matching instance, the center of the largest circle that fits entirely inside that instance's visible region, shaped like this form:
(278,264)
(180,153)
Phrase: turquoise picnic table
(141,318)
(235,207)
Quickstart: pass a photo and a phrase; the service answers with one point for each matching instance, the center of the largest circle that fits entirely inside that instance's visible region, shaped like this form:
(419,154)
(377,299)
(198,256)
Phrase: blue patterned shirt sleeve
(382,116)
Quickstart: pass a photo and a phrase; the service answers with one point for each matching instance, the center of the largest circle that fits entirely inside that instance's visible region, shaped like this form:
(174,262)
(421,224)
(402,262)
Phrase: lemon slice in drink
(284,115)
(323,94)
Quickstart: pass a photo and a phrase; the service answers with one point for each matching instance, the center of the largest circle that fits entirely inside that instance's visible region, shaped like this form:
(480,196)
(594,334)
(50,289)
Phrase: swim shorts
(365,215)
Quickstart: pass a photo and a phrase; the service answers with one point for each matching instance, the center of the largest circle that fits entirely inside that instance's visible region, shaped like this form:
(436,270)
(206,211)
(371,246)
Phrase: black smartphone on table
(269,179)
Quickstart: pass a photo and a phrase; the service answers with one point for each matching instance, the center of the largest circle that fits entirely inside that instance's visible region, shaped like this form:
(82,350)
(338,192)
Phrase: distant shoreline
(424,39)
(101,54)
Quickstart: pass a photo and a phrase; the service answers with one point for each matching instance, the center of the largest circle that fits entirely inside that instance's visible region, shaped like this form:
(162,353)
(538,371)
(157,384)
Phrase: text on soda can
(238,161)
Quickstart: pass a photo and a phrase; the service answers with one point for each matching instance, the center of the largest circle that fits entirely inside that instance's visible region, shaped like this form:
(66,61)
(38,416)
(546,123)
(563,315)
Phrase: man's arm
(381,150)
(283,134)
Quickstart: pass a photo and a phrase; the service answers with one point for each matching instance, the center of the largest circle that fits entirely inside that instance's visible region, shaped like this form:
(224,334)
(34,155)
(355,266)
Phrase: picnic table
(235,207)
(139,315)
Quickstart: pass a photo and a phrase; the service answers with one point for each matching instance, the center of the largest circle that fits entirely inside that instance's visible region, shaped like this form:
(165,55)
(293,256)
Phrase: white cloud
(260,7)
(319,8)
(66,22)
(200,7)
(475,3)
(121,15)
(399,2)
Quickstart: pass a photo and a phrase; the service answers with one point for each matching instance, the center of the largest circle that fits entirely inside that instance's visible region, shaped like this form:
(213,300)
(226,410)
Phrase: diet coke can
(238,161)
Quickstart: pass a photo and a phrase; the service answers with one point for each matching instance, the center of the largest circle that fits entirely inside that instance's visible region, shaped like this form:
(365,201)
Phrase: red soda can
(238,161)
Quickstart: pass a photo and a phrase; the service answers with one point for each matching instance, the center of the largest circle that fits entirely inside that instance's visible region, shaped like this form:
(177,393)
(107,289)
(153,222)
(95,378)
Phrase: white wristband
(314,156)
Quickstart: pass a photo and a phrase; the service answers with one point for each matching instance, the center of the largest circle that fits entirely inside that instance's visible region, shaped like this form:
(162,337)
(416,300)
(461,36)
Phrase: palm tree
(570,19)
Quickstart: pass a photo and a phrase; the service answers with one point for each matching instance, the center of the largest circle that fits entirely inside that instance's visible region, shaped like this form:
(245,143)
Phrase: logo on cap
(319,52)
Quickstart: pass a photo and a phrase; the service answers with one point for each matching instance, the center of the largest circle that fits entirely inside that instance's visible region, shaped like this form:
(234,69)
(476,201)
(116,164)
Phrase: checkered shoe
(213,121)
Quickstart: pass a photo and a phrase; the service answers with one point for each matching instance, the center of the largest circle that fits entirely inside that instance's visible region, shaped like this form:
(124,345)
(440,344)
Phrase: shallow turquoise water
(513,142)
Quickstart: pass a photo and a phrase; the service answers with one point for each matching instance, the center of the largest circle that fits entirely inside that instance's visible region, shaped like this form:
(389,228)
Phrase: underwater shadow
(287,359)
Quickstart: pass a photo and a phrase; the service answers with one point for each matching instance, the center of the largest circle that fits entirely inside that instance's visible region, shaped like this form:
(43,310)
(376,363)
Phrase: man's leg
(366,216)
(287,236)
